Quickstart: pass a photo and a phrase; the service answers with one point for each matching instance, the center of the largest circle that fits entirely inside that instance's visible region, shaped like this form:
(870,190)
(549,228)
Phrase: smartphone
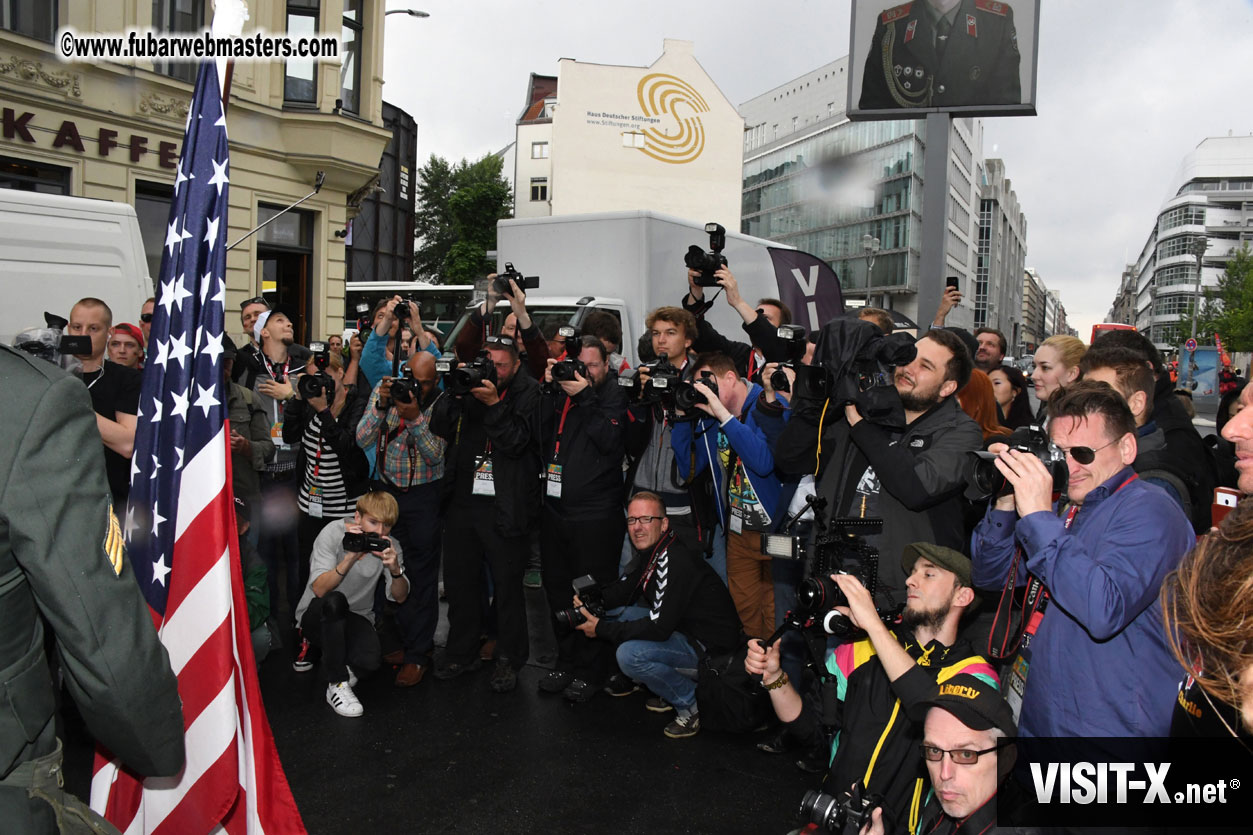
(1225,500)
(951,281)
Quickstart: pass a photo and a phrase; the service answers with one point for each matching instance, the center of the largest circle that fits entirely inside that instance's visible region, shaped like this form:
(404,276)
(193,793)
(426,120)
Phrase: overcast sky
(1125,90)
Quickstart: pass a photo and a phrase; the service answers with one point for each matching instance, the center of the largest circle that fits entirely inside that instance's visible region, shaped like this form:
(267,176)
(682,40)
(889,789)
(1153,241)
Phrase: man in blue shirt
(1095,661)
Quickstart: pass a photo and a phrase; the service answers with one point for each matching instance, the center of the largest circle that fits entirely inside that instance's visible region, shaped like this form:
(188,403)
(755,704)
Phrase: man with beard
(911,477)
(882,679)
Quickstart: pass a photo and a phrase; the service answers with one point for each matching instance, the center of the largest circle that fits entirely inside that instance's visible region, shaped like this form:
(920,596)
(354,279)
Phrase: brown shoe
(409,675)
(394,658)
(488,650)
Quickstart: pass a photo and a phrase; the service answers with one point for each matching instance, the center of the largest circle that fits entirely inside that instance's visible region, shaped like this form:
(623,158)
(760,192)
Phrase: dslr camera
(365,542)
(406,389)
(686,396)
(663,382)
(401,310)
(794,337)
(708,262)
(589,592)
(564,371)
(500,284)
(459,380)
(846,814)
(319,383)
(984,480)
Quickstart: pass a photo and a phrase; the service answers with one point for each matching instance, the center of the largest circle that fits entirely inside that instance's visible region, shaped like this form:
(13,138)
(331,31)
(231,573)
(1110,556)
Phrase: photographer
(761,323)
(532,345)
(248,363)
(251,444)
(882,677)
(1099,664)
(377,353)
(494,455)
(397,428)
(336,612)
(910,475)
(581,527)
(686,613)
(747,488)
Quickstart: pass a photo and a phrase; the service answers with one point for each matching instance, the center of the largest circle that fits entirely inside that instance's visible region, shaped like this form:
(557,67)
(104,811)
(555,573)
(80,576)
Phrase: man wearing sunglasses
(145,317)
(1094,660)
(248,359)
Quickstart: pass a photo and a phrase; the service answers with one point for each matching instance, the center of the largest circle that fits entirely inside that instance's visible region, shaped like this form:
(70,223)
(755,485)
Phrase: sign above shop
(14,125)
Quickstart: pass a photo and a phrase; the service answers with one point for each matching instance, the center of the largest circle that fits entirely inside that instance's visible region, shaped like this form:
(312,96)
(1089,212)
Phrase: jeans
(668,668)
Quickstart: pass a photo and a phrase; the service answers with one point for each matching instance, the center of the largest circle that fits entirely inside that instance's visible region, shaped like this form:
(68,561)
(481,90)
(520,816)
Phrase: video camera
(318,384)
(708,262)
(500,284)
(52,345)
(459,380)
(589,592)
(796,341)
(984,480)
(854,363)
(846,814)
(357,543)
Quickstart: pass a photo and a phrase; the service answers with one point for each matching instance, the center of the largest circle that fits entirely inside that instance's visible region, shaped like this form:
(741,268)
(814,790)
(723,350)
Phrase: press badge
(737,522)
(315,502)
(554,481)
(276,435)
(483,485)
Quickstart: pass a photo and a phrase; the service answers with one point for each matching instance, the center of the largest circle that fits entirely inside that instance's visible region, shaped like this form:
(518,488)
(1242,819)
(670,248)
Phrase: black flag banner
(807,285)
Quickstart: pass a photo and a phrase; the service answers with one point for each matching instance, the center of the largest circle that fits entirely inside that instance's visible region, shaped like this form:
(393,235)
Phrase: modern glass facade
(801,194)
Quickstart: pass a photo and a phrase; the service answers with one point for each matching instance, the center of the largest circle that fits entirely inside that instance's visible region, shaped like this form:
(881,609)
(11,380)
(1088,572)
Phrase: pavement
(452,756)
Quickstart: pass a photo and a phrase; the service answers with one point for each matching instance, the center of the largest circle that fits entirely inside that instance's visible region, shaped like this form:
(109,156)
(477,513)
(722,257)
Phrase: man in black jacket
(581,526)
(761,323)
(685,611)
(911,478)
(493,466)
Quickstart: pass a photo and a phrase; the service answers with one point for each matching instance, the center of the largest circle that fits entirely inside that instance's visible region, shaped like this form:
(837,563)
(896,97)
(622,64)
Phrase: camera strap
(561,427)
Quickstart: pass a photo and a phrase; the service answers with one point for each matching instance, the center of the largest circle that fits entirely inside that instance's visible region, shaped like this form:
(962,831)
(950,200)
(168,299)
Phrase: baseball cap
(130,330)
(259,325)
(947,558)
(976,704)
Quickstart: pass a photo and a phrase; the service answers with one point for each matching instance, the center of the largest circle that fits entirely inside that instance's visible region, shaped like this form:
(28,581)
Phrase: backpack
(728,697)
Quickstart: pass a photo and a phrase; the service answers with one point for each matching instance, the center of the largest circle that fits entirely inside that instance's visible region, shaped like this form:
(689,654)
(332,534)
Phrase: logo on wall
(664,95)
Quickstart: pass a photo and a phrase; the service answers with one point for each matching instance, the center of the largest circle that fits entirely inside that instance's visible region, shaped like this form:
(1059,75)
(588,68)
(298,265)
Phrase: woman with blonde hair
(1056,366)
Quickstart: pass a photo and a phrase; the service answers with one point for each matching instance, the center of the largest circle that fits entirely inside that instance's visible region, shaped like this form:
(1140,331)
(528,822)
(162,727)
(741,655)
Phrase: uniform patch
(114,545)
(910,29)
(895,13)
(972,27)
(992,6)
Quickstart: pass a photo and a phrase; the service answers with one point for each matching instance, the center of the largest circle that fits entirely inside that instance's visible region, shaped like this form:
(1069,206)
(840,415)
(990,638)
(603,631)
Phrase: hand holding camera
(763,660)
(777,378)
(486,393)
(1032,481)
(707,263)
(709,403)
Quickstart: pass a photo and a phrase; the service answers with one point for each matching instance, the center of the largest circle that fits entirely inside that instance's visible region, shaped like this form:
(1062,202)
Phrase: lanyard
(561,427)
(660,548)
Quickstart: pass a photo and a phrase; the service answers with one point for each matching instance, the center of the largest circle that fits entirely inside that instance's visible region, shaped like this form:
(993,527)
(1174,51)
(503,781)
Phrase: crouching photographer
(336,612)
(873,742)
(681,610)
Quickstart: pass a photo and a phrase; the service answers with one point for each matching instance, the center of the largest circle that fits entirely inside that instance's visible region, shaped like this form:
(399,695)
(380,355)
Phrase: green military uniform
(62,563)
(920,58)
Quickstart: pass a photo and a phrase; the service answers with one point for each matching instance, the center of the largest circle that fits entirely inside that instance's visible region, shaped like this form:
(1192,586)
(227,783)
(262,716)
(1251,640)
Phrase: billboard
(966,57)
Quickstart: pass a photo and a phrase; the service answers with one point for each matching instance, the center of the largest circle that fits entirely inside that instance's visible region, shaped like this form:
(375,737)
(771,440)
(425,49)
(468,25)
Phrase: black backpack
(729,698)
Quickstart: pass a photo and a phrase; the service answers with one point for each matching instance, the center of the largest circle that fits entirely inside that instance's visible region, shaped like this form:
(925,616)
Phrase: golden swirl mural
(666,96)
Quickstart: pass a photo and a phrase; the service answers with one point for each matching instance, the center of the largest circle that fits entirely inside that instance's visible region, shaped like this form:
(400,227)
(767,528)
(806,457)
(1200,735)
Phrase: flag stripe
(202,482)
(200,614)
(207,672)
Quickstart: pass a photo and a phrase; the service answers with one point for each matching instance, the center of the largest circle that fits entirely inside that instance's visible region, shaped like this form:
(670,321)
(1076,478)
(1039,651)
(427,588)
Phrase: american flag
(180,530)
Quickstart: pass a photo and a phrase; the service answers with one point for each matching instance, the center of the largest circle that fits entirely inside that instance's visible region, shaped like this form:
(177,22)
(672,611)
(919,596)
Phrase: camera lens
(822,809)
(819,594)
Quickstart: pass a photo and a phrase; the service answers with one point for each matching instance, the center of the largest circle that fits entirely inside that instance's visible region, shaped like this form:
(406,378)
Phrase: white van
(54,250)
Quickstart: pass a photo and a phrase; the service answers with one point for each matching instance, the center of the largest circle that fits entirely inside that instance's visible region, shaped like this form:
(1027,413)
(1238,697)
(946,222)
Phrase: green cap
(954,561)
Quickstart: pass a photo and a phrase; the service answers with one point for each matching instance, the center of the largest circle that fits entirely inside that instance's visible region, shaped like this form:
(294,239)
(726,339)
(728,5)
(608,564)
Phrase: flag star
(220,295)
(160,570)
(180,292)
(181,178)
(211,233)
(174,237)
(221,122)
(134,466)
(156,465)
(178,350)
(156,415)
(181,402)
(179,451)
(213,346)
(157,519)
(219,178)
(206,400)
(167,296)
(131,526)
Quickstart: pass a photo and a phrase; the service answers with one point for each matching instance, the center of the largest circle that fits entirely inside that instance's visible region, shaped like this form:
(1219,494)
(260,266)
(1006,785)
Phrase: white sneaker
(352,677)
(343,700)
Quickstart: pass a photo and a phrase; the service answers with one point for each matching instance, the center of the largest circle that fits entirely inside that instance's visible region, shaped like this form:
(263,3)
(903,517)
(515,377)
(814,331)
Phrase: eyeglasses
(145,317)
(959,756)
(253,300)
(642,520)
(1085,454)
(496,339)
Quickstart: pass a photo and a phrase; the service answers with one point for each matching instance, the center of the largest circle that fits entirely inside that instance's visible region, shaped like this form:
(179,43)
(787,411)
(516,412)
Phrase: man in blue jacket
(744,481)
(1095,660)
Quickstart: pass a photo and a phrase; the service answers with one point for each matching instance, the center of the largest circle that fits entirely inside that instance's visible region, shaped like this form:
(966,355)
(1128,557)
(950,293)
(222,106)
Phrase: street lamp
(1197,248)
(410,12)
(869,245)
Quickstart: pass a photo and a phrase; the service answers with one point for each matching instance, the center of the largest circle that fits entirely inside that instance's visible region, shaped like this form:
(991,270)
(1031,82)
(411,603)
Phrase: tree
(455,221)
(1229,306)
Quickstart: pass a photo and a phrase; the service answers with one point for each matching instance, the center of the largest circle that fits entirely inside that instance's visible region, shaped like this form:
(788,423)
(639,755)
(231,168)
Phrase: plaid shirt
(413,456)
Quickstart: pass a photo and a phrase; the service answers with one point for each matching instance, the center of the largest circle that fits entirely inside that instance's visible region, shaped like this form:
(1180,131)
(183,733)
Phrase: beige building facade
(114,131)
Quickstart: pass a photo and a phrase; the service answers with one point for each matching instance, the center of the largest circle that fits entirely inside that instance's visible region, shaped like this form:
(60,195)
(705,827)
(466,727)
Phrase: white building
(1210,205)
(601,138)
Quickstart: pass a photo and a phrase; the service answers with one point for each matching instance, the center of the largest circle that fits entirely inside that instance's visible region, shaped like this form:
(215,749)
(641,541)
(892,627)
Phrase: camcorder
(319,383)
(984,480)
(589,592)
(854,363)
(458,381)
(708,262)
(500,284)
(847,814)
(796,341)
(357,543)
(49,343)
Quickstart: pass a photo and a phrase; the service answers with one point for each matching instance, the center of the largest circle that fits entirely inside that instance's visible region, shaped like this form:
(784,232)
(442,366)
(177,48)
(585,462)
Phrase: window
(630,139)
(1181,216)
(24,175)
(178,16)
(539,150)
(539,189)
(1172,247)
(350,69)
(300,83)
(32,18)
(152,207)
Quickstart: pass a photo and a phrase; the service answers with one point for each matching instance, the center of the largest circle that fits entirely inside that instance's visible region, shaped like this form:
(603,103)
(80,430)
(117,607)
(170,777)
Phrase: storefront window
(301,78)
(152,207)
(32,18)
(24,175)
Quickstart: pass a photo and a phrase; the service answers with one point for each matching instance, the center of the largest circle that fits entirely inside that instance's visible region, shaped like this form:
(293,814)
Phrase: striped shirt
(324,478)
(414,454)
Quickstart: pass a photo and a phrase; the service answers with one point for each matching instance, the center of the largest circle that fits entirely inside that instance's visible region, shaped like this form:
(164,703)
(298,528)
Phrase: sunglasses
(1085,454)
(253,300)
(960,756)
(145,317)
(496,339)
